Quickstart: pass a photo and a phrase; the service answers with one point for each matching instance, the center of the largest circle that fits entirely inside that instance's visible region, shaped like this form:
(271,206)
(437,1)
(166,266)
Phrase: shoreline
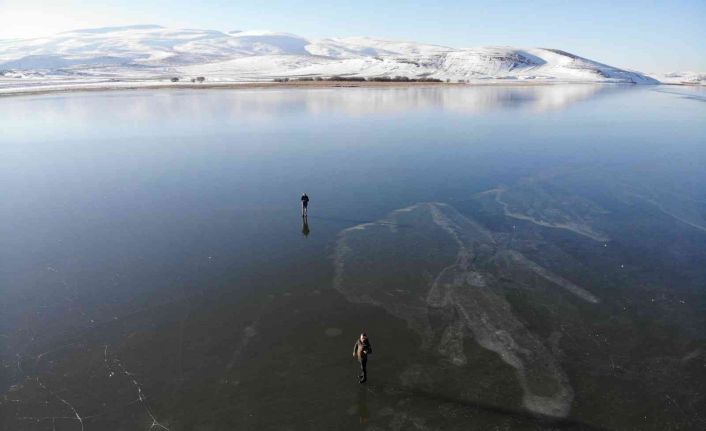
(147,85)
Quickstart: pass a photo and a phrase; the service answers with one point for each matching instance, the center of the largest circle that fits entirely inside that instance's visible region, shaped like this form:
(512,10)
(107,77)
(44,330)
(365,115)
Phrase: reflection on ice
(148,106)
(429,258)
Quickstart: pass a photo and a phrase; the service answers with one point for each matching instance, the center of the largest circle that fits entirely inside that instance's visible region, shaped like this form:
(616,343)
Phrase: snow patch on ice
(467,291)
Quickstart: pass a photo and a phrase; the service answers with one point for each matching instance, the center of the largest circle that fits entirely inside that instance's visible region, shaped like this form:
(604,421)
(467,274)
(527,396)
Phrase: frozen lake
(522,257)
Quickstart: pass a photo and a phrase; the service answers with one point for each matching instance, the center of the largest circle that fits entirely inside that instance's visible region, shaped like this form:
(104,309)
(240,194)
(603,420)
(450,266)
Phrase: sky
(649,36)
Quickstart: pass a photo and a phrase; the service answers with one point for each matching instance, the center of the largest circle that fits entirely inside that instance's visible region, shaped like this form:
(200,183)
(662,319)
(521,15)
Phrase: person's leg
(364,369)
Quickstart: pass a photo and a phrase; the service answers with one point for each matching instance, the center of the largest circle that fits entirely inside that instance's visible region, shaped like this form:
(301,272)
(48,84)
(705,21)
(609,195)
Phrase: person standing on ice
(305,204)
(361,350)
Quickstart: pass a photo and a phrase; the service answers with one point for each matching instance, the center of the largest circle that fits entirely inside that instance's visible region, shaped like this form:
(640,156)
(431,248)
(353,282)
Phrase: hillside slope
(154,52)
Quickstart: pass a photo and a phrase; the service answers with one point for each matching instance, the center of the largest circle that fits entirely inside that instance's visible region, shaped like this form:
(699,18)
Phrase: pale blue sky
(642,35)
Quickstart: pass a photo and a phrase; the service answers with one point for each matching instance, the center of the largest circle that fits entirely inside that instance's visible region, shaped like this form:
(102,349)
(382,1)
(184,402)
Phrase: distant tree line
(198,79)
(360,79)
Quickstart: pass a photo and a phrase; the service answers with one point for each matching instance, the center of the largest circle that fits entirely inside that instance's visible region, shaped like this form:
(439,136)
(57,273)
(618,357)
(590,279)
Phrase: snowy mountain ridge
(153,52)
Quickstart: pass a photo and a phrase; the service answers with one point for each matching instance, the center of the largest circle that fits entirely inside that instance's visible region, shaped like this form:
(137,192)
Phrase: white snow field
(154,55)
(680,78)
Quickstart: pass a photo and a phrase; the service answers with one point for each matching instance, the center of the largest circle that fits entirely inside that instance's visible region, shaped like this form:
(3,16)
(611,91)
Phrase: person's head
(363,336)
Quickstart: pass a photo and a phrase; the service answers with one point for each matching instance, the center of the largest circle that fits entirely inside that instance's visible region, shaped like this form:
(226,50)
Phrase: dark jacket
(361,349)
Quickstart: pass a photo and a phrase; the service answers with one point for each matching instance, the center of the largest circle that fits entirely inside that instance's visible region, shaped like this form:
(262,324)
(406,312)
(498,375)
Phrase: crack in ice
(77,416)
(141,397)
(468,286)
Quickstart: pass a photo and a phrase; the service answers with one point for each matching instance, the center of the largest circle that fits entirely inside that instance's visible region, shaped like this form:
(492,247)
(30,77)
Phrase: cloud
(31,18)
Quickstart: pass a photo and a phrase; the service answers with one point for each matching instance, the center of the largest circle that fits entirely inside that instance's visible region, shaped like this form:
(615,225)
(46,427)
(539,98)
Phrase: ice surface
(533,201)
(429,258)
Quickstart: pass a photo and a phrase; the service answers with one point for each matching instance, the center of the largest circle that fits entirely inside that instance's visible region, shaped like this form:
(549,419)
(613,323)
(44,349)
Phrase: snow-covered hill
(680,78)
(149,52)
